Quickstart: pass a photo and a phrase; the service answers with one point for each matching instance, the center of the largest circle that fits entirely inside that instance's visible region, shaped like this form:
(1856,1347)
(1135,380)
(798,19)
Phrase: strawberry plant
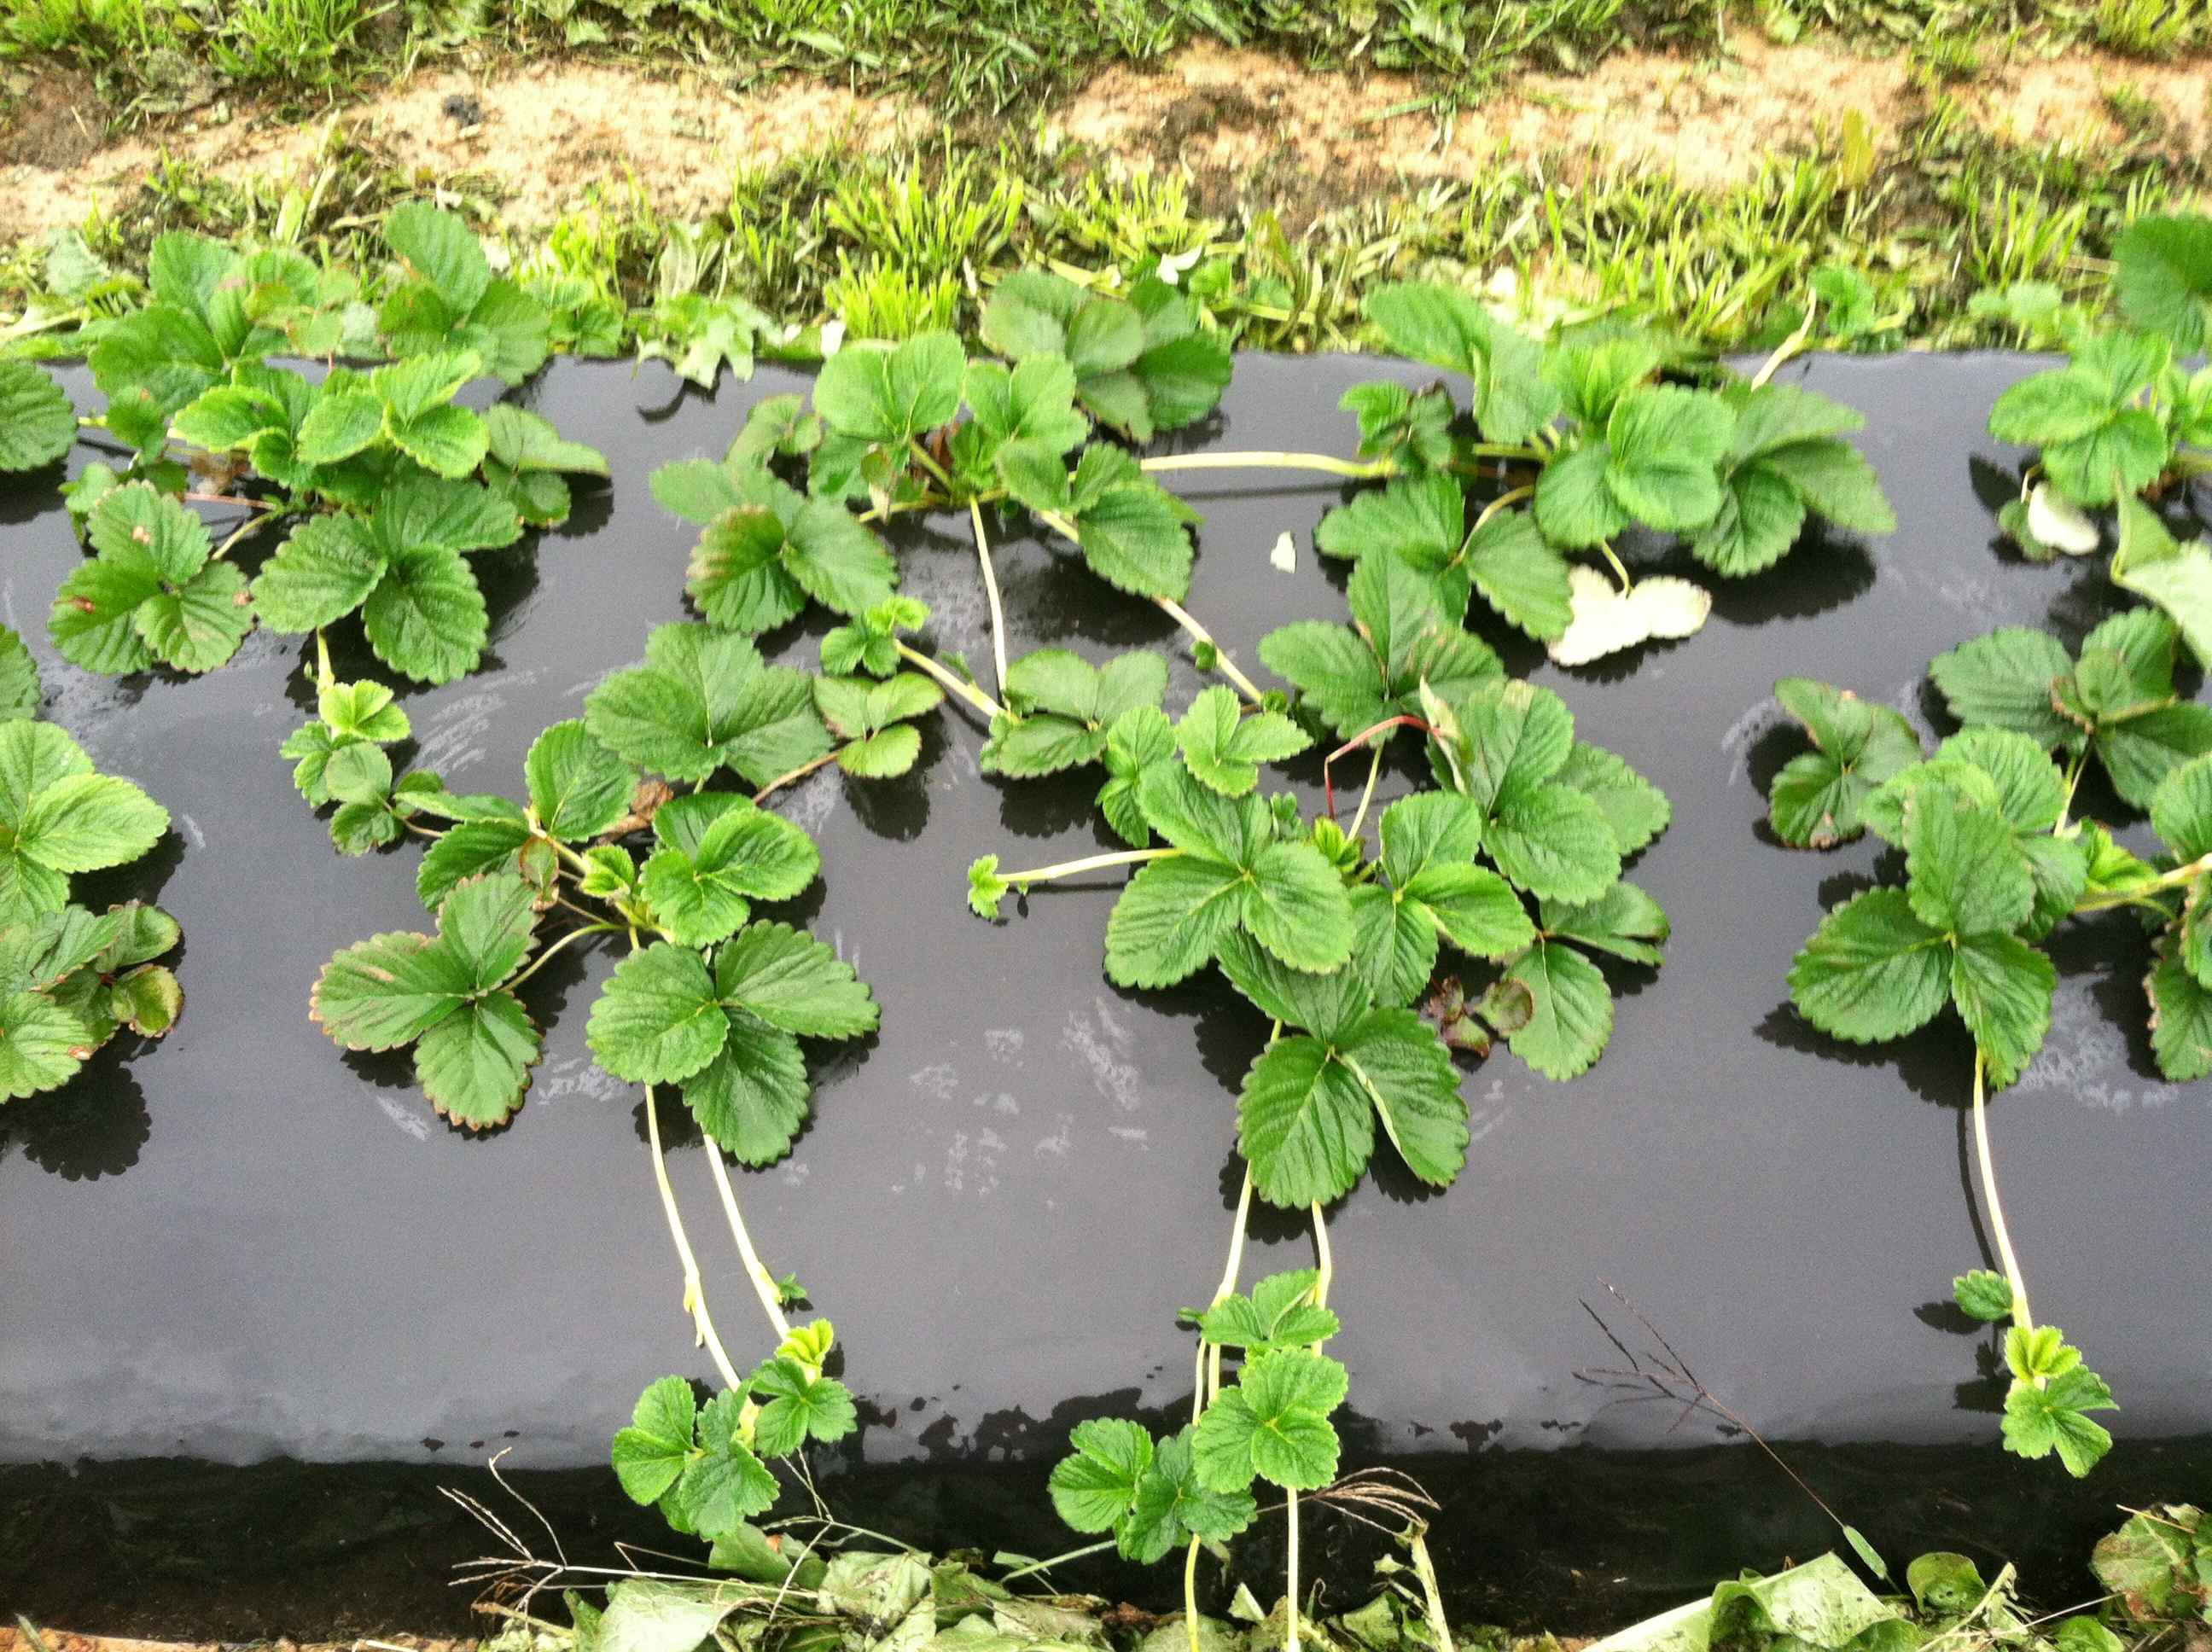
(1994,861)
(71,978)
(2127,418)
(385,482)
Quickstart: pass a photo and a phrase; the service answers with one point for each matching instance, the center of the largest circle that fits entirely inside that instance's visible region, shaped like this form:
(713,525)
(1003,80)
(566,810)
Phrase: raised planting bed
(263,1299)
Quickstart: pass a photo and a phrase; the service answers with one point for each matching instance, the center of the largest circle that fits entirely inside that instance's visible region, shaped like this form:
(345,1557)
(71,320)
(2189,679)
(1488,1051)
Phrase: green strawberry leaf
(798,1405)
(1094,1487)
(1224,749)
(1273,1424)
(703,700)
(1872,971)
(650,1453)
(38,424)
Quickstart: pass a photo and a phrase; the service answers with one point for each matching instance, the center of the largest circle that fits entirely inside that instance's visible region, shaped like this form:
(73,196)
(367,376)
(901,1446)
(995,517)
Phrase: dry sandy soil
(544,135)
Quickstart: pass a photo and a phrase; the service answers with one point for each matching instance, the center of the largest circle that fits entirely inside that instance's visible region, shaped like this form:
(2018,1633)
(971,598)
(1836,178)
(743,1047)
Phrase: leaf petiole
(2072,779)
(1058,1559)
(2135,894)
(967,690)
(249,526)
(695,1291)
(2020,1316)
(1619,569)
(1089,863)
(546,956)
(1227,667)
(764,1285)
(1367,792)
(921,457)
(1505,501)
(991,590)
(793,776)
(1357,470)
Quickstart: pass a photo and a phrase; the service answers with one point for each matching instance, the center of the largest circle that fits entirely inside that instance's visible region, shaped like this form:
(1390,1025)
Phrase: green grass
(1891,252)
(988,56)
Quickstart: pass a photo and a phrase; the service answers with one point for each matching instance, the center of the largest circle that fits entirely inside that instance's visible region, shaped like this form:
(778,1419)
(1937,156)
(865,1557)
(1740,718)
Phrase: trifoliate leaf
(891,394)
(1357,677)
(1095,1487)
(703,700)
(1412,431)
(1061,706)
(723,1485)
(870,643)
(1172,1506)
(1140,737)
(2038,1421)
(1280,1313)
(1273,1424)
(1985,1295)
(1224,749)
(361,711)
(796,1405)
(1872,971)
(986,889)
(700,883)
(1816,800)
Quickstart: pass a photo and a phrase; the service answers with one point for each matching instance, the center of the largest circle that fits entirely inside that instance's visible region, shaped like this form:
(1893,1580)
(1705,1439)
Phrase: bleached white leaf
(1285,556)
(2059,523)
(1605,622)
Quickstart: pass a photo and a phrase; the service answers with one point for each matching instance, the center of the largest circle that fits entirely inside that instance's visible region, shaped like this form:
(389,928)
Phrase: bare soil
(1249,127)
